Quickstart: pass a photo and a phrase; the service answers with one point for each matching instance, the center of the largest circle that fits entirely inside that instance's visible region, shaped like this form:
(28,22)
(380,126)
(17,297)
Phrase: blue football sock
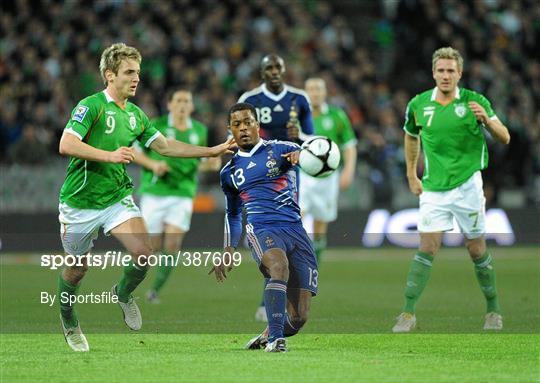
(275,299)
(264,287)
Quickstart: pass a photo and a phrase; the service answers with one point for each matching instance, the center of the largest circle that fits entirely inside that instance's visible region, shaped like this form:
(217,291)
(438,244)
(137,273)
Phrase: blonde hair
(113,56)
(448,53)
(316,79)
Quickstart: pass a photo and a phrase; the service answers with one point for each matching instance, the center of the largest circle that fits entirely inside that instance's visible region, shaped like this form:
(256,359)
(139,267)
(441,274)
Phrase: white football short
(466,203)
(79,227)
(160,210)
(318,197)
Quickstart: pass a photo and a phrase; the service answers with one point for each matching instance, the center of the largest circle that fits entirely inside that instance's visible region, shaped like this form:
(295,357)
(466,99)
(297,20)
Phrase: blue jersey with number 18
(265,184)
(273,110)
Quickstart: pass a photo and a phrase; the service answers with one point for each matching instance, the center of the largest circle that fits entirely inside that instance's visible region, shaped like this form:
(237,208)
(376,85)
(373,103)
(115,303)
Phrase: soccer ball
(319,157)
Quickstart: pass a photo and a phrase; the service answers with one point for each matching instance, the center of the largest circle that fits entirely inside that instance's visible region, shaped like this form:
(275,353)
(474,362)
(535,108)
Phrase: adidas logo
(278,108)
(251,165)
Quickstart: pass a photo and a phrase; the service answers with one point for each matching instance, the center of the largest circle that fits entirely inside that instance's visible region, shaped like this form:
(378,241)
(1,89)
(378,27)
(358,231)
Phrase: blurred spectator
(374,56)
(29,149)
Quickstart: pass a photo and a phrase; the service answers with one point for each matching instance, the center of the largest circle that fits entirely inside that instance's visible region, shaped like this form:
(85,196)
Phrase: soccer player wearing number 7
(262,179)
(97,190)
(450,122)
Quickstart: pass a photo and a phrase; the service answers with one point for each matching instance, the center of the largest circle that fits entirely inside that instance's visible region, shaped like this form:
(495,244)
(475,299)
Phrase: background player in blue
(262,178)
(283,112)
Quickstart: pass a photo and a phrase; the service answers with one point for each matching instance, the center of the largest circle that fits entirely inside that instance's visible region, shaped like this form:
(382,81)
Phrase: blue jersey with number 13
(265,184)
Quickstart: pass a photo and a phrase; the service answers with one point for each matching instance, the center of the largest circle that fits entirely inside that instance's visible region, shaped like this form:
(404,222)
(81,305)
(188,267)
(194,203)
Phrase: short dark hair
(272,57)
(243,106)
(171,92)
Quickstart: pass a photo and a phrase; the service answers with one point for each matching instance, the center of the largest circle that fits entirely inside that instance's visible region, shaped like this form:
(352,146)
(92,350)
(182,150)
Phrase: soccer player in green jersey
(168,185)
(97,190)
(331,122)
(450,122)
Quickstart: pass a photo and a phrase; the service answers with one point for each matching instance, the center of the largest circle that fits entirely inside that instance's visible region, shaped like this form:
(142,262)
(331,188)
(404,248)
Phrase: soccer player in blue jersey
(262,179)
(283,112)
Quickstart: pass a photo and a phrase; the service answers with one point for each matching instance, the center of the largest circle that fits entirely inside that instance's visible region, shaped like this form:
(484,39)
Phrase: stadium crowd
(49,55)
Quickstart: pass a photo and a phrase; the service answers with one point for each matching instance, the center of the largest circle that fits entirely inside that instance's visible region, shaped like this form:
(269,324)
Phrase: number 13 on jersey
(240,179)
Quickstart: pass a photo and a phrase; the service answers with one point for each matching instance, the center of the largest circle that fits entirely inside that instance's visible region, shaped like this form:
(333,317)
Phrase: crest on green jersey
(132,121)
(327,123)
(460,110)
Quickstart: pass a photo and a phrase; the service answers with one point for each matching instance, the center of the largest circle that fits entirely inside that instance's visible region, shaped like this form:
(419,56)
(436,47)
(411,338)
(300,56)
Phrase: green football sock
(319,245)
(133,275)
(66,290)
(483,268)
(417,279)
(162,274)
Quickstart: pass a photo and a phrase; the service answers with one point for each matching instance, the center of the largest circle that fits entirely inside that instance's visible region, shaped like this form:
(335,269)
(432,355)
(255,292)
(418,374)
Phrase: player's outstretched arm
(71,145)
(159,168)
(174,148)
(412,152)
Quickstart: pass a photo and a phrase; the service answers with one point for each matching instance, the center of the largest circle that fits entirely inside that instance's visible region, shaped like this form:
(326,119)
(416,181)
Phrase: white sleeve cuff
(151,139)
(71,131)
(409,133)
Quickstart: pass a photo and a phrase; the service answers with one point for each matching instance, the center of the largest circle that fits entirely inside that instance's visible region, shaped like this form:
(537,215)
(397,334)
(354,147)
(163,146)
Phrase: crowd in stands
(50,50)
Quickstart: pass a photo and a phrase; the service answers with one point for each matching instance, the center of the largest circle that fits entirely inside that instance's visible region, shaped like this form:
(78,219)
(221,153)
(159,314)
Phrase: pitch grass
(312,358)
(347,338)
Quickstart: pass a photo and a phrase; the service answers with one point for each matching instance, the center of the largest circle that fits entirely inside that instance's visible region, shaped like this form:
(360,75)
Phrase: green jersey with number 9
(453,140)
(99,122)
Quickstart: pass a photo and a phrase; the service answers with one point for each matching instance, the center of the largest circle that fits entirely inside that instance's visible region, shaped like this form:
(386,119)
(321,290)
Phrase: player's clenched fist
(122,155)
(479,112)
(159,168)
(415,185)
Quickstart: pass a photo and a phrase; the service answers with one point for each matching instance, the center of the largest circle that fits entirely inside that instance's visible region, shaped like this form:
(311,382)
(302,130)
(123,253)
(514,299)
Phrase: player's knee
(430,248)
(476,250)
(141,256)
(74,274)
(141,250)
(279,270)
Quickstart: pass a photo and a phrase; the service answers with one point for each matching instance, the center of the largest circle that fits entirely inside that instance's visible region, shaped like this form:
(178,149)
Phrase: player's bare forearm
(412,152)
(143,160)
(72,146)
(349,167)
(349,160)
(211,165)
(157,167)
(174,148)
(498,131)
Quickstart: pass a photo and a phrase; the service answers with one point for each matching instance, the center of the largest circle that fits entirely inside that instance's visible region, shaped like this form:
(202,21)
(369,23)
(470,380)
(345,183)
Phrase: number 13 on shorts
(313,275)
